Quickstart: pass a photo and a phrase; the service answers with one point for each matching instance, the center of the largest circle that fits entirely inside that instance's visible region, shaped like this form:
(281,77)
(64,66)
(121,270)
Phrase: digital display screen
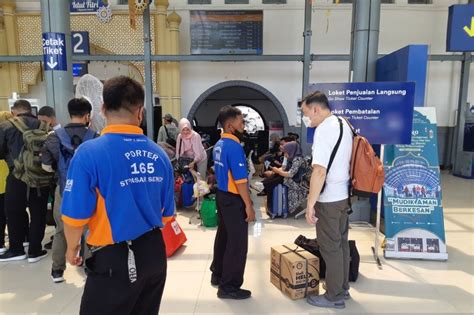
(227,32)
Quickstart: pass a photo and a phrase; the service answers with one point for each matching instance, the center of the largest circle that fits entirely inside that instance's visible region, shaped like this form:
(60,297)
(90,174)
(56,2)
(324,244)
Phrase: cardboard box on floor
(294,271)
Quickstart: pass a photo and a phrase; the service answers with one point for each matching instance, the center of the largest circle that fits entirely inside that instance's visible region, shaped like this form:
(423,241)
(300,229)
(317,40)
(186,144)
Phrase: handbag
(173,236)
(183,161)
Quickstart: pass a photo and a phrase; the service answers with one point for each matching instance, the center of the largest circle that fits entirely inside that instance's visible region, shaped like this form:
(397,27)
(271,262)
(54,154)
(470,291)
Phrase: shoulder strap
(19,124)
(180,144)
(64,138)
(167,134)
(354,133)
(90,134)
(336,147)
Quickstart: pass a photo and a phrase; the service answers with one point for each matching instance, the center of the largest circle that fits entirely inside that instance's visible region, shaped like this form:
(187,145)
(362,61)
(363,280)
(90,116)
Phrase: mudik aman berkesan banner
(414,222)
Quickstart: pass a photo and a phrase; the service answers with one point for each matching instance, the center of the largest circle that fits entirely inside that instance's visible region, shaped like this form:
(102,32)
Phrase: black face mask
(239,135)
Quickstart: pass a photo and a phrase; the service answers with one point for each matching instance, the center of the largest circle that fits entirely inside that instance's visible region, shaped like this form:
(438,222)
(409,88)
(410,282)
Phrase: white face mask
(307,121)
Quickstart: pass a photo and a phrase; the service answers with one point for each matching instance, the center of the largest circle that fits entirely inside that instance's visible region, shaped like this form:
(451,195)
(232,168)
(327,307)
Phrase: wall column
(161,48)
(174,22)
(5,89)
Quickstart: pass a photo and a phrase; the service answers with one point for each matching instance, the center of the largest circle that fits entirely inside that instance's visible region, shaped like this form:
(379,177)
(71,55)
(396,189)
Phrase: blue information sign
(380,111)
(54,51)
(79,69)
(460,35)
(414,223)
(80,43)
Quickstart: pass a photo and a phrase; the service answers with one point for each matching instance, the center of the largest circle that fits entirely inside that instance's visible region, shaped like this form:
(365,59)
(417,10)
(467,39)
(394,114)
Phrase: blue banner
(380,111)
(54,51)
(414,223)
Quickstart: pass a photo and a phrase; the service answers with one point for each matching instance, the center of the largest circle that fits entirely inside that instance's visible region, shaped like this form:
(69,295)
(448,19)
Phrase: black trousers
(231,244)
(108,289)
(19,227)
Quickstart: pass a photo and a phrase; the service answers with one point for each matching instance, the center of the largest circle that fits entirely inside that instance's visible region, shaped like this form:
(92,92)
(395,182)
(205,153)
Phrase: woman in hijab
(189,145)
(293,174)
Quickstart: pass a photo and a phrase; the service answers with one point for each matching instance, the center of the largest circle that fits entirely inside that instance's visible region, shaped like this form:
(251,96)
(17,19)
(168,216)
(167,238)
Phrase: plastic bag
(201,188)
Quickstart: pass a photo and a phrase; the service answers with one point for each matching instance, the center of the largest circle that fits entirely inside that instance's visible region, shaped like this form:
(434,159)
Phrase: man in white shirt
(328,200)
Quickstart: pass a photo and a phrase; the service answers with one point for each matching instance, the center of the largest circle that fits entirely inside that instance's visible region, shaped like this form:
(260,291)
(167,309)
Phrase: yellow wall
(20,34)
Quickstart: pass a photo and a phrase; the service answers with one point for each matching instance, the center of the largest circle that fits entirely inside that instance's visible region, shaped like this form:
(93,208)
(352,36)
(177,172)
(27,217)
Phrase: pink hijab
(190,146)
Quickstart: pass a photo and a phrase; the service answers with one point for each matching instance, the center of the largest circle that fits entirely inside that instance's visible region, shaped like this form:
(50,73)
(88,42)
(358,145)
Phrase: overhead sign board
(54,51)
(80,43)
(227,32)
(85,6)
(380,111)
(460,35)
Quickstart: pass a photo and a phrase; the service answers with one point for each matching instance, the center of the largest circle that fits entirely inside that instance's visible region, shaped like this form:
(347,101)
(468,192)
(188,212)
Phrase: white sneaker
(35,258)
(9,256)
(26,244)
(3,250)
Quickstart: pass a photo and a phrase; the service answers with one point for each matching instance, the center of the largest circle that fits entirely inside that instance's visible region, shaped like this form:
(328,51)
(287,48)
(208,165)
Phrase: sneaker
(57,276)
(11,256)
(34,258)
(3,250)
(26,244)
(321,301)
(347,295)
(239,294)
(215,280)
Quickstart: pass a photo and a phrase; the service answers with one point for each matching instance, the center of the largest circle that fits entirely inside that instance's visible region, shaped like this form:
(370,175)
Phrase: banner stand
(375,249)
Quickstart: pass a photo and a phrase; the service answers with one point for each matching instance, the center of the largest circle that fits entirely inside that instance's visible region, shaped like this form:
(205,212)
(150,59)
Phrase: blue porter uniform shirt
(120,185)
(230,164)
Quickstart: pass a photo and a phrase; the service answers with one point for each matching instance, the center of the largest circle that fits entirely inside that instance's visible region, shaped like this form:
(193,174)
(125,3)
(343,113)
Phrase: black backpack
(169,140)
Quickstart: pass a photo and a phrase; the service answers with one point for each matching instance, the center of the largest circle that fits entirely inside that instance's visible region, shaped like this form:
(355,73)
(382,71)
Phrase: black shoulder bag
(170,140)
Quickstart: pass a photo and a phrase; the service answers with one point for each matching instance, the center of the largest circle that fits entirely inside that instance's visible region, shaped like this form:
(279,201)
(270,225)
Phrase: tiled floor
(400,287)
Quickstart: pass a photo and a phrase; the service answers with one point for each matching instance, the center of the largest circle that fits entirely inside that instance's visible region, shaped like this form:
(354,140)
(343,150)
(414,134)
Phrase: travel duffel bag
(312,246)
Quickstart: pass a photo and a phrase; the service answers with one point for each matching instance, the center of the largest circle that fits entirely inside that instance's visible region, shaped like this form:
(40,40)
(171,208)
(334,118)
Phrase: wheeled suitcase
(279,202)
(187,192)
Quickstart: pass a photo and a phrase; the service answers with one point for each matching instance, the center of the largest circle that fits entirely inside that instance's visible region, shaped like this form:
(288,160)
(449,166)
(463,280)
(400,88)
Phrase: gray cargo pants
(332,230)
(59,241)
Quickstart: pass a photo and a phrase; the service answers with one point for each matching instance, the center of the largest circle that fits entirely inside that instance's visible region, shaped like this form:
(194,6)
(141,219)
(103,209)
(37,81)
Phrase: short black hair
(22,105)
(78,107)
(228,112)
(287,139)
(122,92)
(317,98)
(293,135)
(47,111)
